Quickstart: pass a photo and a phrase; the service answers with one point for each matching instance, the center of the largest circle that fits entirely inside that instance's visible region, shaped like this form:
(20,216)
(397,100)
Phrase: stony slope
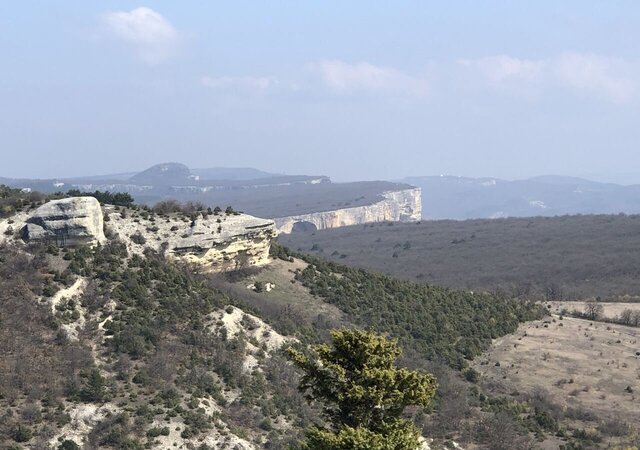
(214,242)
(128,391)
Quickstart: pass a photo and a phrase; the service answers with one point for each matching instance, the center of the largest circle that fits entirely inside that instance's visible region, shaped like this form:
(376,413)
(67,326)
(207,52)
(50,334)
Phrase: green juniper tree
(94,388)
(364,392)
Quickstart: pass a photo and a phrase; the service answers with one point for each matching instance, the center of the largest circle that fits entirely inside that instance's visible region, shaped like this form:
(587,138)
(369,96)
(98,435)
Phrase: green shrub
(22,433)
(158,431)
(94,388)
(68,444)
(471,375)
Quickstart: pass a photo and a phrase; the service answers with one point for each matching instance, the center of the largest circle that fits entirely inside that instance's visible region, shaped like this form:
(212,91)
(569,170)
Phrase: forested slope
(440,323)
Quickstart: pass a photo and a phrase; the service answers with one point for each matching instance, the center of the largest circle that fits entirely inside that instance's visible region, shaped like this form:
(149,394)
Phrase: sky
(354,90)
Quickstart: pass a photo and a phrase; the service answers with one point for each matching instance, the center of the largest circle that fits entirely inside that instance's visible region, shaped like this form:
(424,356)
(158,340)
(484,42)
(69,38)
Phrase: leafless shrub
(616,427)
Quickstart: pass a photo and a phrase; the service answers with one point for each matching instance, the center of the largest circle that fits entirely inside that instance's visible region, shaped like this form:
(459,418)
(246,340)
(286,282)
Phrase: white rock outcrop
(66,222)
(217,243)
(240,241)
(397,206)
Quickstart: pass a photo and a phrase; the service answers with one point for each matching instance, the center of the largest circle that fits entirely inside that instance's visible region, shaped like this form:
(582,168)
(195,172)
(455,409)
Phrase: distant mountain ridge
(453,197)
(260,193)
(177,173)
(164,174)
(171,174)
(274,195)
(236,173)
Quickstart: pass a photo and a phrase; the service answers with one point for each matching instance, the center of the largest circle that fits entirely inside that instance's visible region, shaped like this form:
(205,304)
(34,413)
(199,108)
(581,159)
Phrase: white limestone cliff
(397,206)
(217,243)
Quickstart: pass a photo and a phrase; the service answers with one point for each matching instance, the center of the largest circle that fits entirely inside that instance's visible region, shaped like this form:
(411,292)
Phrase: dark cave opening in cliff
(303,226)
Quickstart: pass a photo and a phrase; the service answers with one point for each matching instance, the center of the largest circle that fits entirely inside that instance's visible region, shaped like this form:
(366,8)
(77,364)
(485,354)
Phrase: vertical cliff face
(397,206)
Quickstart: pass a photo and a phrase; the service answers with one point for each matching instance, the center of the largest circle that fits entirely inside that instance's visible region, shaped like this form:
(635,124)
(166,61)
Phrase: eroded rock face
(218,243)
(397,206)
(66,222)
(240,241)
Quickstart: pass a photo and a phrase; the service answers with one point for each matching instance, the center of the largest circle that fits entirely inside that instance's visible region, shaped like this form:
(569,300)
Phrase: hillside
(116,346)
(559,258)
(584,371)
(114,355)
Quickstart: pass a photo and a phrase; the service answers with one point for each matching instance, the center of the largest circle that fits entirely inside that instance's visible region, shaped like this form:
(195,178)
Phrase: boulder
(67,222)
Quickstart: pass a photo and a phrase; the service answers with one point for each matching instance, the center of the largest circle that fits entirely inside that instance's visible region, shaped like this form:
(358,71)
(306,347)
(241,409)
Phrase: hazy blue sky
(355,90)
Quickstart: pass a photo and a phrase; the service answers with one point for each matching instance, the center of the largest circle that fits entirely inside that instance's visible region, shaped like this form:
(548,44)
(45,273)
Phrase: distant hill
(164,174)
(179,174)
(451,197)
(236,173)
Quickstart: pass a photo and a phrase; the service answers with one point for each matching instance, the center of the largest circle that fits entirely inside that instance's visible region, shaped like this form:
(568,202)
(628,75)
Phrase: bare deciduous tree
(593,310)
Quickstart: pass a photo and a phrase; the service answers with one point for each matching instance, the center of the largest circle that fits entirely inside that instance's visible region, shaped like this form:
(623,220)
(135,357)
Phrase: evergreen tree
(364,392)
(94,388)
(68,445)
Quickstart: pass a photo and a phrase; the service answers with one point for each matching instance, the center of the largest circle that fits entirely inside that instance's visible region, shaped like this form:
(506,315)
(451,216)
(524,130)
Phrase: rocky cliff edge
(216,242)
(397,206)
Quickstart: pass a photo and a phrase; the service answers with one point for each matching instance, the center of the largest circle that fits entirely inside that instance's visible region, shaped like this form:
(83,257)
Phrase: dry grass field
(287,303)
(289,291)
(591,368)
(611,310)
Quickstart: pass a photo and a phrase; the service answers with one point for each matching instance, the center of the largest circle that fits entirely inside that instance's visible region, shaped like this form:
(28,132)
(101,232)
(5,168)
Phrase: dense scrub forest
(145,347)
(440,323)
(551,258)
(15,200)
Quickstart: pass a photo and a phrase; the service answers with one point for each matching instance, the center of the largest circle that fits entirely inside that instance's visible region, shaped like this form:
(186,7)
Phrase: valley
(166,326)
(139,344)
(551,258)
